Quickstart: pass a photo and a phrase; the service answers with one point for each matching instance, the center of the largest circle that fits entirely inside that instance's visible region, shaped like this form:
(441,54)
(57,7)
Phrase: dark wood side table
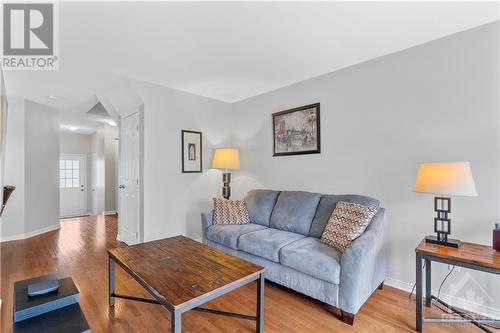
(469,255)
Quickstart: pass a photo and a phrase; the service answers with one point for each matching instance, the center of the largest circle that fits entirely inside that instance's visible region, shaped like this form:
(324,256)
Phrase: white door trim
(85,184)
(140,228)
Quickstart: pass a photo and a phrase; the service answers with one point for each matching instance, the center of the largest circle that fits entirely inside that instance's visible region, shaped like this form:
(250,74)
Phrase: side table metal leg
(419,305)
(260,304)
(176,322)
(428,300)
(111,280)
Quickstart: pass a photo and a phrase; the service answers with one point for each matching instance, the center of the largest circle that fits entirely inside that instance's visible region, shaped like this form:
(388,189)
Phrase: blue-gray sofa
(284,237)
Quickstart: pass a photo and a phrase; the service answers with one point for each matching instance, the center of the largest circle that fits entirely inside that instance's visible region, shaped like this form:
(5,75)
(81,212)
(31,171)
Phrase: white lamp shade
(226,158)
(446,178)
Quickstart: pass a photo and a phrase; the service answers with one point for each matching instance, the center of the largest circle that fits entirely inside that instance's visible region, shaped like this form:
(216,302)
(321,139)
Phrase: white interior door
(129,216)
(72,178)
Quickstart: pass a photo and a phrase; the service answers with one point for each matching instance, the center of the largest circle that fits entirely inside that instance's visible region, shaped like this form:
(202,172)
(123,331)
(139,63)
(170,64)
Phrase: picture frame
(192,151)
(297,131)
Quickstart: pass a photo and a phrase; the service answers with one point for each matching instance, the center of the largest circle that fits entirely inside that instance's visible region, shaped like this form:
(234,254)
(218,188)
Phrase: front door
(129,215)
(72,176)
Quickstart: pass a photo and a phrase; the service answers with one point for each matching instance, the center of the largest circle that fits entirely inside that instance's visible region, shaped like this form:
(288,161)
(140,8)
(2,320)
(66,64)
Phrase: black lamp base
(449,242)
(442,224)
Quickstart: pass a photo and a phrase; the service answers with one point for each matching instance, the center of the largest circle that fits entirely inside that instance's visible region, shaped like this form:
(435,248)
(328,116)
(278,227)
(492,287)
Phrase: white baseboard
(109,212)
(458,302)
(31,233)
(199,240)
(405,286)
(73,216)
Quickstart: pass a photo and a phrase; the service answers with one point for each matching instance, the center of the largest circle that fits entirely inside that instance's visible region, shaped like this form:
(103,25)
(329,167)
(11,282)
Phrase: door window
(69,173)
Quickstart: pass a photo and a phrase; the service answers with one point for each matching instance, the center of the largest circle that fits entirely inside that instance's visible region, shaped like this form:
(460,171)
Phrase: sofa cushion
(267,243)
(260,204)
(348,222)
(228,234)
(230,211)
(327,205)
(294,211)
(314,258)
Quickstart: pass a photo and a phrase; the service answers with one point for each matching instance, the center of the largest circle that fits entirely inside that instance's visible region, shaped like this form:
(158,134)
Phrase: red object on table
(496,240)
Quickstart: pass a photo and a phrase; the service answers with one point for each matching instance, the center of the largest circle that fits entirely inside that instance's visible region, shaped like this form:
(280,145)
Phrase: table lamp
(444,180)
(226,159)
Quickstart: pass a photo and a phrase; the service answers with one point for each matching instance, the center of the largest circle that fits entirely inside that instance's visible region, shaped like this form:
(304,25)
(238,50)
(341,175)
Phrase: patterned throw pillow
(347,222)
(230,211)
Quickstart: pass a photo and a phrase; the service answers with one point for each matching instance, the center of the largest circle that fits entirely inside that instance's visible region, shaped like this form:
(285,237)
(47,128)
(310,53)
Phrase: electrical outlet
(455,270)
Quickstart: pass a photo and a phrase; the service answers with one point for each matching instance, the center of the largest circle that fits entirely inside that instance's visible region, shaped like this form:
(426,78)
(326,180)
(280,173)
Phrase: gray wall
(173,200)
(379,120)
(32,165)
(72,143)
(3,132)
(42,166)
(102,168)
(110,161)
(13,215)
(97,172)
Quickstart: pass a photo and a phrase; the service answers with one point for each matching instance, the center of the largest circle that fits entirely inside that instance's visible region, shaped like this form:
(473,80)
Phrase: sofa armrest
(206,221)
(362,267)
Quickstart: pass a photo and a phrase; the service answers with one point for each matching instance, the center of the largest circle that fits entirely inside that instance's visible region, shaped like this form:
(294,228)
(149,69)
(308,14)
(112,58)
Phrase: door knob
(121,187)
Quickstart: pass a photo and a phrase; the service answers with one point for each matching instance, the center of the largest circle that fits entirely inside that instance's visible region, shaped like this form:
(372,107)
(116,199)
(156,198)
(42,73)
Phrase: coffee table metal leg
(260,304)
(111,281)
(175,320)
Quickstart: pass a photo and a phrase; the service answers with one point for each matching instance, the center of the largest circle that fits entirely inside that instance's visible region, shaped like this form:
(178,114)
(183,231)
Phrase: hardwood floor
(79,250)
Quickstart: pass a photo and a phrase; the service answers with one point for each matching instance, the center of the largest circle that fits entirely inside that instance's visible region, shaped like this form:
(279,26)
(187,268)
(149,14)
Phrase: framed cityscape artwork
(192,159)
(297,131)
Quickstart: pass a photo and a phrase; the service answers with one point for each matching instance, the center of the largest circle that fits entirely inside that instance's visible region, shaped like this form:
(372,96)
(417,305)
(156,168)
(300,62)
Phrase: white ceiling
(229,50)
(81,122)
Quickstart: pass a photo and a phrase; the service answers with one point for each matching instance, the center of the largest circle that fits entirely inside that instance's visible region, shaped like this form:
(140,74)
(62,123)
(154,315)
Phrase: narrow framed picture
(297,131)
(192,157)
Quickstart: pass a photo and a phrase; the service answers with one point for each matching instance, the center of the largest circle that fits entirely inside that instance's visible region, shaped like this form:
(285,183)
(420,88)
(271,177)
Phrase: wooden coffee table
(182,274)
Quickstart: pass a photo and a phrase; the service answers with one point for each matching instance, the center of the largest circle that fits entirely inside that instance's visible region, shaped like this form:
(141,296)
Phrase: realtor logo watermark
(30,36)
(471,291)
